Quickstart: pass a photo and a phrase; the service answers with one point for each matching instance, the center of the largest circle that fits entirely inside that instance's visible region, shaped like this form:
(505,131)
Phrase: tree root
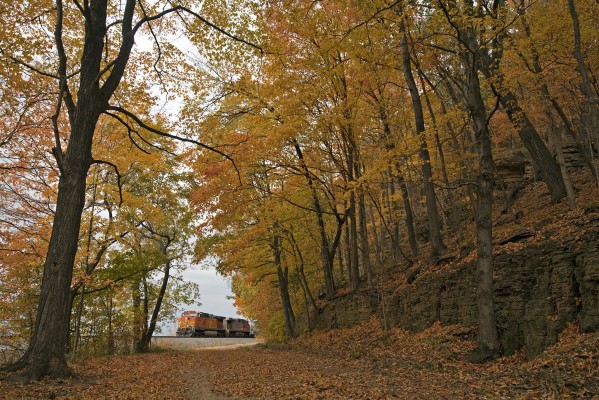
(482,354)
(27,369)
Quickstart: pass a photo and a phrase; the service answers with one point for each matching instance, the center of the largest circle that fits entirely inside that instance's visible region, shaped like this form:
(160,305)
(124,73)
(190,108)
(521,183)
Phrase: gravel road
(185,343)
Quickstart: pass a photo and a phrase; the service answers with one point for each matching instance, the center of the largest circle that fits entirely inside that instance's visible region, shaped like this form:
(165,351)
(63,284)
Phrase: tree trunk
(488,344)
(290,326)
(591,105)
(348,252)
(46,352)
(554,134)
(78,323)
(143,317)
(584,147)
(365,251)
(556,141)
(302,274)
(539,153)
(354,264)
(146,339)
(405,195)
(110,328)
(45,355)
(437,246)
(392,215)
(138,318)
(326,258)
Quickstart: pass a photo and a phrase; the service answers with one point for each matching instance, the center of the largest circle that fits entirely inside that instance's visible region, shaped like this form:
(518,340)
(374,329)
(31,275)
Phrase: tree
(95,78)
(469,42)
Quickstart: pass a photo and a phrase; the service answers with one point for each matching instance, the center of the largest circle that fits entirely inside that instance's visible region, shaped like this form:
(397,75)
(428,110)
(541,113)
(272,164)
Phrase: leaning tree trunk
(554,133)
(326,260)
(591,105)
(288,315)
(437,246)
(539,153)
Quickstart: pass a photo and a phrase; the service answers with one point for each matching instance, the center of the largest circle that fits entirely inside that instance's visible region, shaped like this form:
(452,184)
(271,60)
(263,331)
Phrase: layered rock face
(539,289)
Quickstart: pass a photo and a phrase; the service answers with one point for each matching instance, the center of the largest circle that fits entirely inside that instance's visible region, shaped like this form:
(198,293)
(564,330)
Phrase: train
(197,323)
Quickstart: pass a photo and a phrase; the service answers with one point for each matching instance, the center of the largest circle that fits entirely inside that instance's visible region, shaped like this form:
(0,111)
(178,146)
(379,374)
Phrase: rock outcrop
(539,289)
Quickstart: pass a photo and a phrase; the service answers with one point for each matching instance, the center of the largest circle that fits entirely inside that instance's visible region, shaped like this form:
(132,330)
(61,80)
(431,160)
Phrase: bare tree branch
(118,175)
(175,137)
(157,60)
(134,131)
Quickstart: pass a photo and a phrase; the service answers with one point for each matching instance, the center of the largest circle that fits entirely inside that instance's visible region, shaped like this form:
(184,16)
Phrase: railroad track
(193,343)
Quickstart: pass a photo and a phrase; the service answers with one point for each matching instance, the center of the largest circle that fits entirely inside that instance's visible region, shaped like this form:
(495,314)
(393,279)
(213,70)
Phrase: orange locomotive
(195,323)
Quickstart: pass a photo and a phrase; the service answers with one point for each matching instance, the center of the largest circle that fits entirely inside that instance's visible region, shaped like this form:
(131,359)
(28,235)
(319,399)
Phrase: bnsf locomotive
(195,323)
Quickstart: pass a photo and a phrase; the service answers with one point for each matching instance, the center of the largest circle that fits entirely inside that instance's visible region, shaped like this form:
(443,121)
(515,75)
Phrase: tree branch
(204,20)
(175,137)
(131,131)
(118,175)
(78,5)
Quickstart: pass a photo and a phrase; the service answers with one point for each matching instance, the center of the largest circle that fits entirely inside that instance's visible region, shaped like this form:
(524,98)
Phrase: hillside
(546,276)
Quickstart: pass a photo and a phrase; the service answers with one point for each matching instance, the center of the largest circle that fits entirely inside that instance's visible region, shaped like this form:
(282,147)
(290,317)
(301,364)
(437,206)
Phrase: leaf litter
(363,362)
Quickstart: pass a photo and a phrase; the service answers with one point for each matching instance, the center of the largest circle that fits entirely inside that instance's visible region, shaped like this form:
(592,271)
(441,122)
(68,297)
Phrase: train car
(238,327)
(196,323)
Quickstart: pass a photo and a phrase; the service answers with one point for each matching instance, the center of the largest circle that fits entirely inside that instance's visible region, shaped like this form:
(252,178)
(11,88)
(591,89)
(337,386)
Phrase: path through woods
(352,363)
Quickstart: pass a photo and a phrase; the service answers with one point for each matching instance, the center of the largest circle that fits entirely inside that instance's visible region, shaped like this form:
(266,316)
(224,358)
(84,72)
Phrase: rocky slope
(546,276)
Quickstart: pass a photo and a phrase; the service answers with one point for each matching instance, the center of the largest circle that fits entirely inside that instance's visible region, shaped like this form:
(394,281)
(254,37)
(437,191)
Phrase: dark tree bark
(348,252)
(139,319)
(283,277)
(539,153)
(46,352)
(354,263)
(364,248)
(488,343)
(591,105)
(584,147)
(326,257)
(110,327)
(437,246)
(541,157)
(407,205)
(555,139)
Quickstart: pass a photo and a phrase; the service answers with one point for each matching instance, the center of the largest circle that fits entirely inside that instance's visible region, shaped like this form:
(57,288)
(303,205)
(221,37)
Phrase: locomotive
(197,323)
